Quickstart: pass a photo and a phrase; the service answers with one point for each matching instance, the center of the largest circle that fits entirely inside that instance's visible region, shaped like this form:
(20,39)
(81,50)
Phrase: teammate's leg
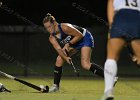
(131,52)
(57,74)
(136,48)
(114,47)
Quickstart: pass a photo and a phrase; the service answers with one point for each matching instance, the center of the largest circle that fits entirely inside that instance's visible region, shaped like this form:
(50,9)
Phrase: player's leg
(136,48)
(114,47)
(57,74)
(58,70)
(86,64)
(131,52)
(85,57)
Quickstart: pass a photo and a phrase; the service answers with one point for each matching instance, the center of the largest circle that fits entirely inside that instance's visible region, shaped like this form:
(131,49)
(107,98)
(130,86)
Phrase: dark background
(25,50)
(63,10)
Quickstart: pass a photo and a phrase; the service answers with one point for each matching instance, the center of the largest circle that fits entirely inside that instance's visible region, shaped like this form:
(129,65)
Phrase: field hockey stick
(71,63)
(44,90)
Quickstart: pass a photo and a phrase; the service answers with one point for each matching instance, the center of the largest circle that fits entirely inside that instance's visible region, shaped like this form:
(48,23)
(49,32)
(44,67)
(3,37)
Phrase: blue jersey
(87,39)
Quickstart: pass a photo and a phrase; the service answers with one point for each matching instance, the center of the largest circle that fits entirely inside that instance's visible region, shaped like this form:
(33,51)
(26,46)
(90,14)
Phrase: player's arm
(70,30)
(58,48)
(110,12)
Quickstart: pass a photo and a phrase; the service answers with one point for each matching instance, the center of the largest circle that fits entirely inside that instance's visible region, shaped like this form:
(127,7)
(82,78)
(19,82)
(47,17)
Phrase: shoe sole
(110,98)
(115,82)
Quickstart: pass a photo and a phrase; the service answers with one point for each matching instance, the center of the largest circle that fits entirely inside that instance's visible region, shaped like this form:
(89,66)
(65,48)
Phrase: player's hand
(67,47)
(68,59)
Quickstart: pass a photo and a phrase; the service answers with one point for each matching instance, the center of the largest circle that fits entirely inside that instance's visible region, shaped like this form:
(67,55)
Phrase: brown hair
(48,18)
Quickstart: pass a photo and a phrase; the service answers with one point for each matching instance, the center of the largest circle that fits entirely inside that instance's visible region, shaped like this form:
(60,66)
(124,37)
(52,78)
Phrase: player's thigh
(136,48)
(86,56)
(59,61)
(114,47)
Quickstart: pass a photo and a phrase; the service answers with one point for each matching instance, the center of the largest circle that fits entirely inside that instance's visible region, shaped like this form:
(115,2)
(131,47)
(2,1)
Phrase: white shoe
(108,95)
(54,88)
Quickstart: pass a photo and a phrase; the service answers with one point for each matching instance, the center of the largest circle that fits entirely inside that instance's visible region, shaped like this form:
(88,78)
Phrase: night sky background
(62,10)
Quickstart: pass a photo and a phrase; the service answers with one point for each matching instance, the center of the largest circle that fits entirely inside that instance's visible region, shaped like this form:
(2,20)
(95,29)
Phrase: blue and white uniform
(126,22)
(87,39)
(126,4)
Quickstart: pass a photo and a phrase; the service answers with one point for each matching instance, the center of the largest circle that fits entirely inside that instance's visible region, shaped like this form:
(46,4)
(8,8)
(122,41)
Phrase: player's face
(49,27)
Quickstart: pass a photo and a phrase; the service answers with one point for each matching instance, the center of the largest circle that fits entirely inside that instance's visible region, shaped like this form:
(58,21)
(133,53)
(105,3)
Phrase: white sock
(110,71)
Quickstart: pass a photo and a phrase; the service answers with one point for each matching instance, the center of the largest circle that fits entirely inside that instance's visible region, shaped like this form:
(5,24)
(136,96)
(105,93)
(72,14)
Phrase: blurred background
(24,46)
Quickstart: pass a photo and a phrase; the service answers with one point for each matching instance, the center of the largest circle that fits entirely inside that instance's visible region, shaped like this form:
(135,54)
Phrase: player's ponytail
(48,18)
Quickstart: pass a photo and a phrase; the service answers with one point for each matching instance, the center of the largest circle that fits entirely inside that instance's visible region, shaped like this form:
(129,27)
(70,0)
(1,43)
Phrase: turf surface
(72,88)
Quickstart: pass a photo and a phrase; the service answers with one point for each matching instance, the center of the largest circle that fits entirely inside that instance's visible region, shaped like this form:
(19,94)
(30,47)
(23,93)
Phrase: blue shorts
(87,41)
(126,25)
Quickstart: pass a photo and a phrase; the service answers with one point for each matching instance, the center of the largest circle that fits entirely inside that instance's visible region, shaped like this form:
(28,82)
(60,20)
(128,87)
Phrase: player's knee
(85,65)
(134,59)
(59,61)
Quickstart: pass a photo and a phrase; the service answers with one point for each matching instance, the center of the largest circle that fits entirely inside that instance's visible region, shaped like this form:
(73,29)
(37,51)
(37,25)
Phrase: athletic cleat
(110,98)
(3,89)
(54,88)
(115,81)
(108,95)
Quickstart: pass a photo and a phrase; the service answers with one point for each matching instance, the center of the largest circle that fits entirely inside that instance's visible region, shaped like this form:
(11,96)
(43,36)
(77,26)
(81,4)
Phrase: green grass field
(72,88)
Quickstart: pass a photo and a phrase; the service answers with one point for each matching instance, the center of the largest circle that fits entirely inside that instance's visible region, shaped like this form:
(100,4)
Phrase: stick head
(3,89)
(78,72)
(44,89)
